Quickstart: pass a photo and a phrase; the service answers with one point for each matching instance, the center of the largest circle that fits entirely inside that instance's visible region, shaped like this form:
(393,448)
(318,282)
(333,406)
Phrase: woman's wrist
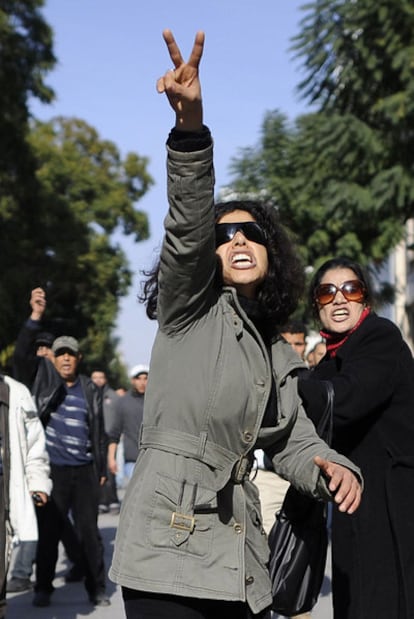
(189,141)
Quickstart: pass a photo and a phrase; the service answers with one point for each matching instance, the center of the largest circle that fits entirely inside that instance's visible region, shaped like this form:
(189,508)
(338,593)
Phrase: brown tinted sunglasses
(353,290)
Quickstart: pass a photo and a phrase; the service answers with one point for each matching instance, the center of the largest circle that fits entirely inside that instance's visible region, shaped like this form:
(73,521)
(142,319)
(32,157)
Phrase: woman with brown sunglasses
(372,372)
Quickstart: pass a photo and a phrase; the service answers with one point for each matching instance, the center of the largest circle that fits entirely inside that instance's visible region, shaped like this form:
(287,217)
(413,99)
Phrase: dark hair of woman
(341,262)
(279,294)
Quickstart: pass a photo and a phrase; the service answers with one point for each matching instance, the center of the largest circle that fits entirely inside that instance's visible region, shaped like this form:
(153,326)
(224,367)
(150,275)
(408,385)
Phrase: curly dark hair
(279,294)
(340,262)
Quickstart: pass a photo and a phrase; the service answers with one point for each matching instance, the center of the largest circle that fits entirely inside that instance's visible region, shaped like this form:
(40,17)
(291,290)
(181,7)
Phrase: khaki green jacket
(191,522)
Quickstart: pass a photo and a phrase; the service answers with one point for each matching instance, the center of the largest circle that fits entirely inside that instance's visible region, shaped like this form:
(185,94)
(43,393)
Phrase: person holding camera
(24,472)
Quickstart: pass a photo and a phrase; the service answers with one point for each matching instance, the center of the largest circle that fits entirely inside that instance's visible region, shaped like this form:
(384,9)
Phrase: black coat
(373,550)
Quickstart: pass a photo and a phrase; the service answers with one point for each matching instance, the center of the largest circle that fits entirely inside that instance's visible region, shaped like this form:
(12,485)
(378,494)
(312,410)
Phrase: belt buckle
(182,522)
(241,469)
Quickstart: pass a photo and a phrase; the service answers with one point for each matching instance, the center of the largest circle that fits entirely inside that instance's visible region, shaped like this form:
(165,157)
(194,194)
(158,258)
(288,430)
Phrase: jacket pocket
(182,517)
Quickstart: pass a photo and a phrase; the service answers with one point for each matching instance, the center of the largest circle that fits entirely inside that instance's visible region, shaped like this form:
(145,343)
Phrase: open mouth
(340,313)
(242,260)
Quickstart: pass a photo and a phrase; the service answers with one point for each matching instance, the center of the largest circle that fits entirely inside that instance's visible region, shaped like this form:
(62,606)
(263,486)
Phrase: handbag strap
(325,425)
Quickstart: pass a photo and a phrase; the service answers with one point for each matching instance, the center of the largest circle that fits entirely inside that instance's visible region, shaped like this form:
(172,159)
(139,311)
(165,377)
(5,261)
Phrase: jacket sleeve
(25,361)
(116,428)
(188,258)
(37,467)
(102,436)
(294,452)
(99,439)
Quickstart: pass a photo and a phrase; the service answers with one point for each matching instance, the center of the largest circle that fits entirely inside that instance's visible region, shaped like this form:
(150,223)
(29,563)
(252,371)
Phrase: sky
(110,55)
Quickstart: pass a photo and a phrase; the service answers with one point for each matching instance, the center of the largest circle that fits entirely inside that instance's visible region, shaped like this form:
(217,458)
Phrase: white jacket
(29,461)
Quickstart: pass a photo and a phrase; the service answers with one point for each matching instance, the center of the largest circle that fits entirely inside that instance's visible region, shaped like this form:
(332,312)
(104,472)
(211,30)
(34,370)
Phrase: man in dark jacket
(109,500)
(70,408)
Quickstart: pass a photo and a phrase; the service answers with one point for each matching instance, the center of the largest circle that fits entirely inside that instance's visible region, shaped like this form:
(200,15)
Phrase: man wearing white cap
(129,412)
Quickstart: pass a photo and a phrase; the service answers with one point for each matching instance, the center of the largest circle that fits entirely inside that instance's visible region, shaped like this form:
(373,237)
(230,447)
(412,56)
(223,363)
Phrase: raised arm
(25,361)
(188,258)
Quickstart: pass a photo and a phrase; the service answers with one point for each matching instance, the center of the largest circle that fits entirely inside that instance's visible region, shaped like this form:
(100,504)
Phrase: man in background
(129,412)
(109,495)
(295,333)
(316,354)
(43,345)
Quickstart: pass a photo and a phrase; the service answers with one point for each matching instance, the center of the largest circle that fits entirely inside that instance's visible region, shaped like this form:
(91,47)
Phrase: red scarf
(335,340)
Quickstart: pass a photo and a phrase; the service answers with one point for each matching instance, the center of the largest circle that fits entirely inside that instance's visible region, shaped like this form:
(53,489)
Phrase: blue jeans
(128,470)
(25,557)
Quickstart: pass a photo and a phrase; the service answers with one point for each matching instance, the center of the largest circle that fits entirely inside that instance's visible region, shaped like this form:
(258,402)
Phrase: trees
(64,192)
(359,59)
(26,55)
(342,176)
(85,193)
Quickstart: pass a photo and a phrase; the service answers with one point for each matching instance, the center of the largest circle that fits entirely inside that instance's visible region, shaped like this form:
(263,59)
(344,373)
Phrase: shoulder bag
(298,541)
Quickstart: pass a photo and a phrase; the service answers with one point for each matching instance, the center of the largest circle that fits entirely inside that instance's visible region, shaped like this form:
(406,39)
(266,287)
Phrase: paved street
(70,601)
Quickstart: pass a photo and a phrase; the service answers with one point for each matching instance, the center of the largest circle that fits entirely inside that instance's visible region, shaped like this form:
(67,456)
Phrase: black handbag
(298,542)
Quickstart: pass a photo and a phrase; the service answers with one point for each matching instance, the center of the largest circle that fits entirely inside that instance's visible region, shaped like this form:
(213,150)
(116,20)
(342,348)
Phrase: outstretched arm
(182,84)
(25,361)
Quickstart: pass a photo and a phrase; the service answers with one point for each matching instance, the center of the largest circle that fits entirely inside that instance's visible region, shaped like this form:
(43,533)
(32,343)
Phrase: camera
(37,499)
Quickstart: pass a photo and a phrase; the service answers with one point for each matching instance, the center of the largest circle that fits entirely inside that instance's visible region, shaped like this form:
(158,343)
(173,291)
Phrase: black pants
(75,490)
(143,605)
(108,493)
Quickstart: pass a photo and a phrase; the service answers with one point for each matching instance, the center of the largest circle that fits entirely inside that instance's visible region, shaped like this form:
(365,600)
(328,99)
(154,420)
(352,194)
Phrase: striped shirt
(67,433)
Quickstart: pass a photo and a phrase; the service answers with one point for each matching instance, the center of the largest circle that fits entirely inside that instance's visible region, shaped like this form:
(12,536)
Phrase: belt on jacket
(198,447)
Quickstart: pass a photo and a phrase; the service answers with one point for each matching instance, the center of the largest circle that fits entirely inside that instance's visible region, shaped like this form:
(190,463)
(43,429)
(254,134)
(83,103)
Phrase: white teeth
(240,257)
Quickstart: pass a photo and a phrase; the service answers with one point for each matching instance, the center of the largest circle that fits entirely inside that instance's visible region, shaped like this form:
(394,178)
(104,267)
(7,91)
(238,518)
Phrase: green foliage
(64,193)
(62,240)
(26,55)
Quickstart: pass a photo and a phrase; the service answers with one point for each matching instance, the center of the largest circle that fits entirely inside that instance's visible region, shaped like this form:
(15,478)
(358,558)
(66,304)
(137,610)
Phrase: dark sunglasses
(354,290)
(250,229)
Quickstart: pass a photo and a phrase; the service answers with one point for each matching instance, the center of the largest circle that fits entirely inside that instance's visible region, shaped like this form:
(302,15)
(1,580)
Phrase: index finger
(173,48)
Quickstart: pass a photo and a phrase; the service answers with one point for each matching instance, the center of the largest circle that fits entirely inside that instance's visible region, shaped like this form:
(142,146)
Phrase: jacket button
(237,527)
(248,436)
(249,580)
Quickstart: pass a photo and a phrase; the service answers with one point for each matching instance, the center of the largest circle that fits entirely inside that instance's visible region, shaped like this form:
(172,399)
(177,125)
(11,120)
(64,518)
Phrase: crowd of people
(235,393)
(71,417)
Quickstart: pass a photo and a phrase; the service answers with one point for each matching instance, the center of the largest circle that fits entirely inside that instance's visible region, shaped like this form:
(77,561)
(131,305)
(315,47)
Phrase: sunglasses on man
(353,290)
(250,229)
